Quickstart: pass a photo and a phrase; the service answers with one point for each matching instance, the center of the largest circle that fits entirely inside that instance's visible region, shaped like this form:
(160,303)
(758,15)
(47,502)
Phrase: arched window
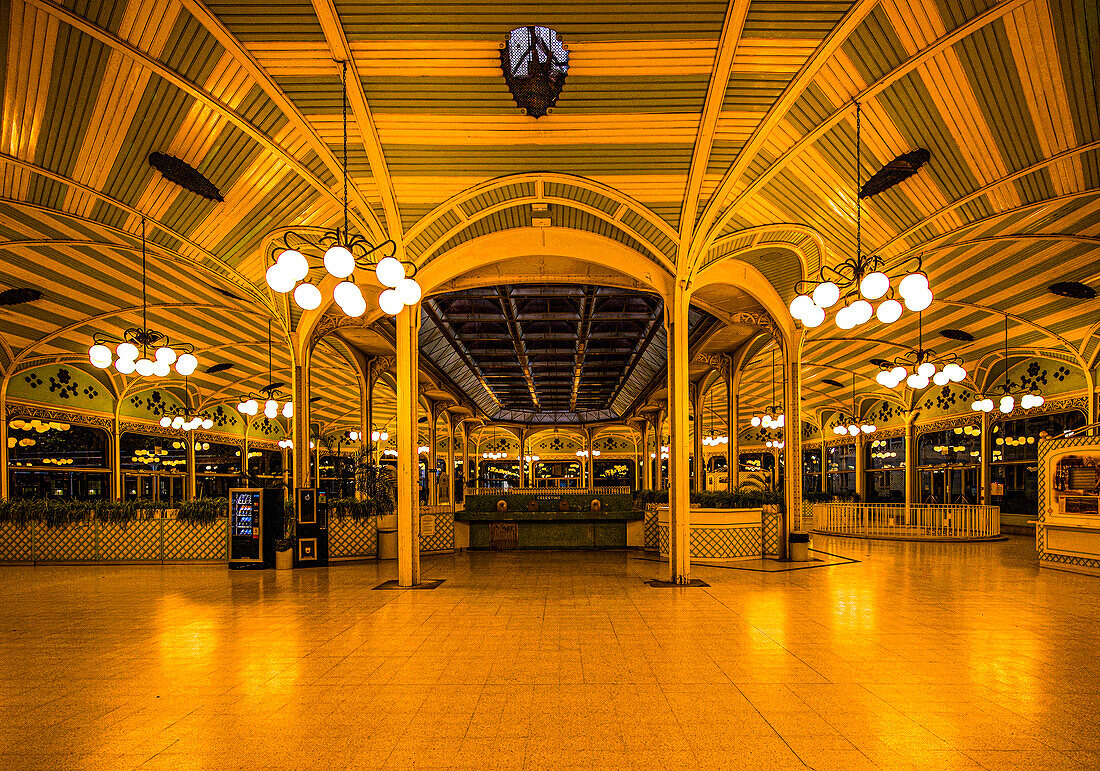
(50,459)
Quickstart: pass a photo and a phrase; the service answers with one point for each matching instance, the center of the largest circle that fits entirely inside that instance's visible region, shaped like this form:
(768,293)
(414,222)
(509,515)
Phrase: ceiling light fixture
(772,417)
(134,347)
(269,396)
(921,366)
(854,426)
(862,279)
(1029,397)
(185,418)
(342,252)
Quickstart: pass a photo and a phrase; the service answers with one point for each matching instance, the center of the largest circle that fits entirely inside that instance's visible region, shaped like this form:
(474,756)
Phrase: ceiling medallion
(920,366)
(140,349)
(1029,397)
(862,279)
(342,250)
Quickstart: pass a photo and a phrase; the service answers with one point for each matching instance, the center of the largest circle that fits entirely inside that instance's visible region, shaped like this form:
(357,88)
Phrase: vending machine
(254,518)
(312,528)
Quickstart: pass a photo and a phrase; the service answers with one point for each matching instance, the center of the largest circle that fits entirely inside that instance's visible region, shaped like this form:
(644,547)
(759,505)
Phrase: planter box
(354,538)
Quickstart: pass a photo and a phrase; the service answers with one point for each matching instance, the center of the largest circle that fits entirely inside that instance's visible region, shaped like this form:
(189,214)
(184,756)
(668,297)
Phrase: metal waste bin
(798,547)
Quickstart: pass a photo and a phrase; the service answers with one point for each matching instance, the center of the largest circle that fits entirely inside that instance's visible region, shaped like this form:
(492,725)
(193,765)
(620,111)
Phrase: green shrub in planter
(203,511)
(55,513)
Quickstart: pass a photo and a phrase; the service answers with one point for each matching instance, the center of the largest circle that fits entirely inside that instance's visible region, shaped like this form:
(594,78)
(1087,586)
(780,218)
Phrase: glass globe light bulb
(884,379)
(165,421)
(355,309)
(861,311)
(913,380)
(845,319)
(242,408)
(271,408)
(409,291)
(207,423)
(853,430)
(889,311)
(914,283)
(186,364)
(814,317)
(177,422)
(125,366)
(279,278)
(390,302)
(755,421)
(1007,404)
(144,367)
(161,368)
(346,294)
(800,306)
(918,301)
(100,356)
(339,261)
(1038,401)
(307,296)
(874,285)
(926,369)
(165,354)
(390,271)
(941,378)
(826,294)
(127,351)
(294,265)
(288,410)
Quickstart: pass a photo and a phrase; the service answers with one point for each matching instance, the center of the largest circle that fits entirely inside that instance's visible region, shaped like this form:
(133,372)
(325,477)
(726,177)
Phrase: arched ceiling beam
(714,220)
(370,224)
(329,18)
(732,26)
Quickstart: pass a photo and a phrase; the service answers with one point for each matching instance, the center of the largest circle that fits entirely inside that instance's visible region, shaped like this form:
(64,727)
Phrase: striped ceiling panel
(741,113)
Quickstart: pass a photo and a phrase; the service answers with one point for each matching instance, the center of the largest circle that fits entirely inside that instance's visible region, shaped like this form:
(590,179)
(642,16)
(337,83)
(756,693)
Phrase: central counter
(550,521)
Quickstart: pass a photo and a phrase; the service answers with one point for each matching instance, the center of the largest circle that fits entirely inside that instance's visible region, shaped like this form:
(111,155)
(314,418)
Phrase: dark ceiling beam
(583,329)
(508,306)
(431,310)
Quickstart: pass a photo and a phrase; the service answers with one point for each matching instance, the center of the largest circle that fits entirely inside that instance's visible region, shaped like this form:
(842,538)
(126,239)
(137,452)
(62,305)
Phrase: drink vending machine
(254,518)
(312,529)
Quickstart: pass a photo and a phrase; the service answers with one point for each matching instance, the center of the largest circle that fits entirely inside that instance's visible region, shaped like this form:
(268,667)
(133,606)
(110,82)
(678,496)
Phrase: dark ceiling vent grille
(184,175)
(895,172)
(19,295)
(833,383)
(1073,289)
(220,367)
(957,334)
(535,63)
(882,363)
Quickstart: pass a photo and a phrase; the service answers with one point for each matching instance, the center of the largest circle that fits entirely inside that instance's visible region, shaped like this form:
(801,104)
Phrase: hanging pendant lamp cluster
(920,367)
(342,254)
(185,418)
(270,396)
(772,417)
(854,427)
(142,350)
(861,279)
(1006,403)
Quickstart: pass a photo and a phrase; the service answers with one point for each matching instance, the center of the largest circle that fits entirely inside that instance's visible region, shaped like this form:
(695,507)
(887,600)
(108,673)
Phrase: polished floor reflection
(917,656)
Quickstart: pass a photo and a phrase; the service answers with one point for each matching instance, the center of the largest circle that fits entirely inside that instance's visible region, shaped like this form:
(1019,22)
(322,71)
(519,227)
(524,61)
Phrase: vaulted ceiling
(689,132)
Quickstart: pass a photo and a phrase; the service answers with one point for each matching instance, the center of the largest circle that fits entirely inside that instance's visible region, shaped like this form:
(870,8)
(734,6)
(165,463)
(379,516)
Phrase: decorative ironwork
(535,63)
(920,366)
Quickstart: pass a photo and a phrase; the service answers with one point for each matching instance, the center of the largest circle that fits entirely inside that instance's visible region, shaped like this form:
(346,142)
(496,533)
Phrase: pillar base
(657,583)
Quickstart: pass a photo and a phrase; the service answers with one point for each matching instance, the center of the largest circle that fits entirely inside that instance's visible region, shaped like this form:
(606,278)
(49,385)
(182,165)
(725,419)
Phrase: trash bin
(798,547)
(387,537)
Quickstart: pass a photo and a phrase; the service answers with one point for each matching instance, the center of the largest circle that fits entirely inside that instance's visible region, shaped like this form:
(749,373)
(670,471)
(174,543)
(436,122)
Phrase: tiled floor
(918,656)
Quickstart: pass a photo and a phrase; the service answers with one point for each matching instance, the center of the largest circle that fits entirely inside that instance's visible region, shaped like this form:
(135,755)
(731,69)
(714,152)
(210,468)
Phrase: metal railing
(923,521)
(548,490)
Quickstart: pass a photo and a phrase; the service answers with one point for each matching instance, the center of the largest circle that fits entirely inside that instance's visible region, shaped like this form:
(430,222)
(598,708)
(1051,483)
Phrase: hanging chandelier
(584,453)
(1029,397)
(772,417)
(777,444)
(379,436)
(859,280)
(486,455)
(133,348)
(286,444)
(270,395)
(714,441)
(921,366)
(185,418)
(342,253)
(854,427)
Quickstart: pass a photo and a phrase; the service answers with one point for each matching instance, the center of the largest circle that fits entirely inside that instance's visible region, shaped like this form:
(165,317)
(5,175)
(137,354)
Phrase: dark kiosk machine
(254,517)
(312,528)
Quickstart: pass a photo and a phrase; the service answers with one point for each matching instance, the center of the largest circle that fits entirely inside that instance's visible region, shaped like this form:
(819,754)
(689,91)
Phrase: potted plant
(375,488)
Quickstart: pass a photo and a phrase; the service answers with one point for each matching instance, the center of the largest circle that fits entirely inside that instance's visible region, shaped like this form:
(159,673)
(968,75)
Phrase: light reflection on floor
(918,655)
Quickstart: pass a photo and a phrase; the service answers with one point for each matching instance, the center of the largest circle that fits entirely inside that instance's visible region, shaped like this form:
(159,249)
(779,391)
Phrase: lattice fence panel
(714,543)
(649,528)
(16,543)
(131,541)
(769,541)
(443,538)
(74,543)
(351,538)
(662,540)
(191,541)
